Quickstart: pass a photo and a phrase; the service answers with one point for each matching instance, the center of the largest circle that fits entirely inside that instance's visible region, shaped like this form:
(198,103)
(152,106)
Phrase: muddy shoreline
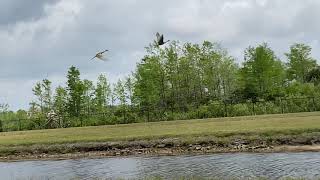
(307,142)
(154,152)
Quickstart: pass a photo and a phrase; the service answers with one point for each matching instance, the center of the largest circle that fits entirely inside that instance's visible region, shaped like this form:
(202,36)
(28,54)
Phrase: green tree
(4,107)
(47,95)
(120,93)
(34,110)
(21,114)
(37,91)
(121,97)
(102,93)
(60,100)
(42,91)
(314,76)
(193,74)
(113,95)
(298,89)
(129,87)
(148,82)
(262,74)
(88,102)
(300,62)
(182,76)
(219,71)
(75,89)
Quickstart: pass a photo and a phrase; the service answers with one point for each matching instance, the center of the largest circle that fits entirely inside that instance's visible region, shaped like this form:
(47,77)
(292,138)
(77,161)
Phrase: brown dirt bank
(167,146)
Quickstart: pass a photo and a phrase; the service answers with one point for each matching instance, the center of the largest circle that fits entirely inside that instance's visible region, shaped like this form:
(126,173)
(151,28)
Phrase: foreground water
(226,166)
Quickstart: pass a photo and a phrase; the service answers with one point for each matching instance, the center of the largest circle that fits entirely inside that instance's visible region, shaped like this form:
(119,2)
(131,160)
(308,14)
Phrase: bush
(216,109)
(296,105)
(239,110)
(267,108)
(203,112)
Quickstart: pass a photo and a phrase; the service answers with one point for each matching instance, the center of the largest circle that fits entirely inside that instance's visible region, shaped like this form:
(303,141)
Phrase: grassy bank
(282,129)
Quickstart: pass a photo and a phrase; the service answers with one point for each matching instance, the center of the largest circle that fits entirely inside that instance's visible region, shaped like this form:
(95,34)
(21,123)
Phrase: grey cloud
(12,11)
(43,39)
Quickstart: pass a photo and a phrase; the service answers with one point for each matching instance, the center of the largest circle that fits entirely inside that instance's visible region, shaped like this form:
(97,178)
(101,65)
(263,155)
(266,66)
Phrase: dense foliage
(180,81)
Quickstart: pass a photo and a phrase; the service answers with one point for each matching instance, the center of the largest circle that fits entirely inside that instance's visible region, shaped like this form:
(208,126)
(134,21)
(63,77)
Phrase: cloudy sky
(44,38)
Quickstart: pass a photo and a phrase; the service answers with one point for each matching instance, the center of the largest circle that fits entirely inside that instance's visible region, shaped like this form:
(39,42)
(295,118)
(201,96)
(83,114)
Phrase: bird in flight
(100,55)
(160,41)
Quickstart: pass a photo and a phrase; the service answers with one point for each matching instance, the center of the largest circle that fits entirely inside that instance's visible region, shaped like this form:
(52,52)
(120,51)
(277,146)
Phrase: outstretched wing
(93,57)
(104,51)
(161,38)
(100,56)
(158,36)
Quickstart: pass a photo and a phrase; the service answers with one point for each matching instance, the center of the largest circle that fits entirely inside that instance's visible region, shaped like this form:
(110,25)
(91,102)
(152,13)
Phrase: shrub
(239,110)
(267,108)
(216,109)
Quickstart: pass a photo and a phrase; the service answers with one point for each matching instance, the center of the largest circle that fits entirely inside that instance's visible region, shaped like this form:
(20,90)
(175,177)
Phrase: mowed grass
(283,123)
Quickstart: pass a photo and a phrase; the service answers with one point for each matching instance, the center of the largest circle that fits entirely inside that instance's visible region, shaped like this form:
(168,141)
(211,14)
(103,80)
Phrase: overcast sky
(43,38)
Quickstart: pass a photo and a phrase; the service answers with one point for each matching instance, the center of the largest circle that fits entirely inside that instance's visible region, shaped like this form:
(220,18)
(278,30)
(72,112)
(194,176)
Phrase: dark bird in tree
(100,56)
(160,41)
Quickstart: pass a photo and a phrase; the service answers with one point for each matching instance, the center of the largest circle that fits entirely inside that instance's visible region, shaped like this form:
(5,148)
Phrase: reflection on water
(240,165)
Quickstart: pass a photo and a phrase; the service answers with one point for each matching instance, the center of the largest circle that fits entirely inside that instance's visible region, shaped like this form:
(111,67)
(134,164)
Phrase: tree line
(182,78)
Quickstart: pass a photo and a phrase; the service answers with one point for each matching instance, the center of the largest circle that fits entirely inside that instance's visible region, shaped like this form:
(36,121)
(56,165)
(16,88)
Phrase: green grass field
(284,123)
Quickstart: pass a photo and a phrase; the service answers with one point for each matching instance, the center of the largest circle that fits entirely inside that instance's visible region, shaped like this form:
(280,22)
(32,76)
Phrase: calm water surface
(226,166)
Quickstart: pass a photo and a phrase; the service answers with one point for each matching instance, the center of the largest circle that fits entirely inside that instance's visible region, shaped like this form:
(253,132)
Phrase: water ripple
(224,166)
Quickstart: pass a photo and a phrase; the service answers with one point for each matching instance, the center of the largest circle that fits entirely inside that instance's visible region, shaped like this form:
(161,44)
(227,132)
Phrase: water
(239,165)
